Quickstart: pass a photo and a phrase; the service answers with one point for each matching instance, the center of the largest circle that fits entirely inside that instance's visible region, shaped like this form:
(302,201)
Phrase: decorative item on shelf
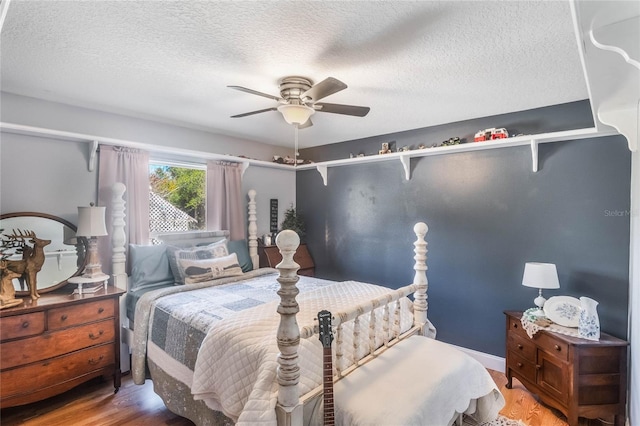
(292,220)
(404,149)
(27,267)
(387,147)
(541,276)
(361,155)
(491,134)
(422,146)
(589,323)
(91,225)
(451,141)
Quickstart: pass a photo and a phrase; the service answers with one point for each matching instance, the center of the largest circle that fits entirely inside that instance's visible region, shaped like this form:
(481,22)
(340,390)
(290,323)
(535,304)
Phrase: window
(176,198)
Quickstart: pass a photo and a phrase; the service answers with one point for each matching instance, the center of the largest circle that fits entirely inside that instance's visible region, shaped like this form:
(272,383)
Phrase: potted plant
(292,220)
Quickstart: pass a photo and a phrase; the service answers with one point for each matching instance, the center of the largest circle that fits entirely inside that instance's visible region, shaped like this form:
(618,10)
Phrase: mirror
(64,256)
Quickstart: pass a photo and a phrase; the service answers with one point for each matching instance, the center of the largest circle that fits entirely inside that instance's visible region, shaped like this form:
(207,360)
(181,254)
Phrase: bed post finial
(420,277)
(289,409)
(118,236)
(253,230)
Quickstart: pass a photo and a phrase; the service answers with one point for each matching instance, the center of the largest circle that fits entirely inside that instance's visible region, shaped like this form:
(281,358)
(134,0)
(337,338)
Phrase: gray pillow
(213,250)
(239,247)
(149,266)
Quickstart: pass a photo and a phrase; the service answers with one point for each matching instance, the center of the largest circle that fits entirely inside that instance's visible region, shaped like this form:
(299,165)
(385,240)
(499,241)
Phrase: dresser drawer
(515,326)
(79,314)
(522,367)
(21,325)
(40,375)
(524,347)
(49,345)
(553,346)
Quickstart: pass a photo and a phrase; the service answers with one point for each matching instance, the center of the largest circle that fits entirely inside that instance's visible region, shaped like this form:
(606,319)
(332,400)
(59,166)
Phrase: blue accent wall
(488,213)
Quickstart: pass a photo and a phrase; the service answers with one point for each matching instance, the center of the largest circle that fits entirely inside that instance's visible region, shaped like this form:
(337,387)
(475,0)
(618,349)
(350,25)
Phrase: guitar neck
(327,382)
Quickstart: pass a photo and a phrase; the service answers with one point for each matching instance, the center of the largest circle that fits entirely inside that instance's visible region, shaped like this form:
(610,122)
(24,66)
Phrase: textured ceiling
(416,64)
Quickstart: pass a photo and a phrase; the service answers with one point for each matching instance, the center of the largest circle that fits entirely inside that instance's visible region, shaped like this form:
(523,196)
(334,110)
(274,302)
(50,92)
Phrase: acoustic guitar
(326,337)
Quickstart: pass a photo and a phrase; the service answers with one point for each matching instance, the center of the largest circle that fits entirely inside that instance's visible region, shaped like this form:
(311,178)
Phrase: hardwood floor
(94,403)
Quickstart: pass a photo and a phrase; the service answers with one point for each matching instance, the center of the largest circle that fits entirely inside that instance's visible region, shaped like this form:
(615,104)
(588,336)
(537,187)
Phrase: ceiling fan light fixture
(296,114)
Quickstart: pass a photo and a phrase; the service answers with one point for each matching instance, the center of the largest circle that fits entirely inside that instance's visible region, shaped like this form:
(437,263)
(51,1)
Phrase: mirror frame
(21,293)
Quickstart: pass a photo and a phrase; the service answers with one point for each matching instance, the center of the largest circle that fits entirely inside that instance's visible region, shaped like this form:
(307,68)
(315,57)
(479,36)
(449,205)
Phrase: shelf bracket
(534,155)
(406,164)
(323,172)
(92,156)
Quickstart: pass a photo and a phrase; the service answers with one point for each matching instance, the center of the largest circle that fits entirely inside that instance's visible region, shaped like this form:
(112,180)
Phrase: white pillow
(201,270)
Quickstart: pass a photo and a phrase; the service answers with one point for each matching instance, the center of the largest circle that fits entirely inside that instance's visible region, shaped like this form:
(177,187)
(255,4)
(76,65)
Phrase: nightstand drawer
(21,325)
(49,345)
(522,367)
(45,373)
(79,314)
(553,346)
(521,346)
(515,326)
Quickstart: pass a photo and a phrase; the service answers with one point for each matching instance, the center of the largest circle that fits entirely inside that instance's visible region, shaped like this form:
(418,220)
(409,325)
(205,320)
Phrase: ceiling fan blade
(358,111)
(326,87)
(255,92)
(254,112)
(306,124)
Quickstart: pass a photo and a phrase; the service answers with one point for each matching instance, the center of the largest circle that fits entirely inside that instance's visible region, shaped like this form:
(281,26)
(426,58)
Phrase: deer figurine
(32,259)
(7,291)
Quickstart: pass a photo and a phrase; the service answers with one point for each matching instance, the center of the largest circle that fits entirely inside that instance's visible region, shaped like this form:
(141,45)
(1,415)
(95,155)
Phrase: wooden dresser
(270,256)
(53,344)
(579,377)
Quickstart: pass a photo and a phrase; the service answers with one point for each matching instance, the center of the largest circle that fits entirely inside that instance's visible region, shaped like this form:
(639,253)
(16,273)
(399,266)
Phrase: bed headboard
(119,239)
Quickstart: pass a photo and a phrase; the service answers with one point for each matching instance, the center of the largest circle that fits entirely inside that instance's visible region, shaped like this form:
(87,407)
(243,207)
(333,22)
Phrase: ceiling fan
(299,100)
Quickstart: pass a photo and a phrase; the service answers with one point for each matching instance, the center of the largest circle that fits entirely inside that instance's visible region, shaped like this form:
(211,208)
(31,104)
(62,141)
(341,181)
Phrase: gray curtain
(131,167)
(224,198)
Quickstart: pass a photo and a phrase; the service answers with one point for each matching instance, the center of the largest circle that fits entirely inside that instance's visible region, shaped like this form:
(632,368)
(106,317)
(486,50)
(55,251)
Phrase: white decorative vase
(589,323)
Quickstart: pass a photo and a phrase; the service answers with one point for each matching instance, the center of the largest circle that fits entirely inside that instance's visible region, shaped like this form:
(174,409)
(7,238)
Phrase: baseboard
(487,360)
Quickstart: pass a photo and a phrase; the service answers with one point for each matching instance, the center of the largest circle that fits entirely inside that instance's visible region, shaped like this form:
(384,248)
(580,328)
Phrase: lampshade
(296,114)
(540,275)
(91,222)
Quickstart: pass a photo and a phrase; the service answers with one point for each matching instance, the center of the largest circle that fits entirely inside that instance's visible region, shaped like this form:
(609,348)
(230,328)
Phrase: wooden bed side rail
(289,406)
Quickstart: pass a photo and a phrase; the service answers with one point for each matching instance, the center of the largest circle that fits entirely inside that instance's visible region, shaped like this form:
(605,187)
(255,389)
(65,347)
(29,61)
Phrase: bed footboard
(289,408)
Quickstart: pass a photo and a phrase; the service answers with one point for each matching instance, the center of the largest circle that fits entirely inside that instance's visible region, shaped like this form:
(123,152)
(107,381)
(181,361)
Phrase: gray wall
(51,176)
(488,214)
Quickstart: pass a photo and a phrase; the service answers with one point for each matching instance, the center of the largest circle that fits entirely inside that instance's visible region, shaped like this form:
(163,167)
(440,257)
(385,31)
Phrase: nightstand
(581,378)
(270,256)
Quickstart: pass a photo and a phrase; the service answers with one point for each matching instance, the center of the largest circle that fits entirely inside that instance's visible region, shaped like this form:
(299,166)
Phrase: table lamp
(91,224)
(540,275)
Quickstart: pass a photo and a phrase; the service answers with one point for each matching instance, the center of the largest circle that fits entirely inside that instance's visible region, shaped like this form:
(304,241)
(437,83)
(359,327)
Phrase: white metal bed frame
(290,404)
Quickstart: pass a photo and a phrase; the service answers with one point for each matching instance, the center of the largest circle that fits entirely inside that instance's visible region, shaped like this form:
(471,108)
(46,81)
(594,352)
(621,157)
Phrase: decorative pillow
(200,270)
(149,266)
(175,254)
(239,247)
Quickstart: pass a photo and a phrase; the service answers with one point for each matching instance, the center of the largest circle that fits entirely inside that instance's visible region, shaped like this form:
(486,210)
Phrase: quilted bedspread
(219,338)
(235,371)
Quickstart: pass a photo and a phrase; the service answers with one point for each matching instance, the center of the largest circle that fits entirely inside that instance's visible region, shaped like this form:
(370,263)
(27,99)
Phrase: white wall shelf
(405,157)
(94,141)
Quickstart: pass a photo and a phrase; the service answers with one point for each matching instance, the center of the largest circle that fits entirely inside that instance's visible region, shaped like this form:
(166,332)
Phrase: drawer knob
(519,364)
(515,325)
(100,310)
(25,324)
(557,347)
(519,346)
(538,367)
(95,361)
(64,317)
(94,337)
